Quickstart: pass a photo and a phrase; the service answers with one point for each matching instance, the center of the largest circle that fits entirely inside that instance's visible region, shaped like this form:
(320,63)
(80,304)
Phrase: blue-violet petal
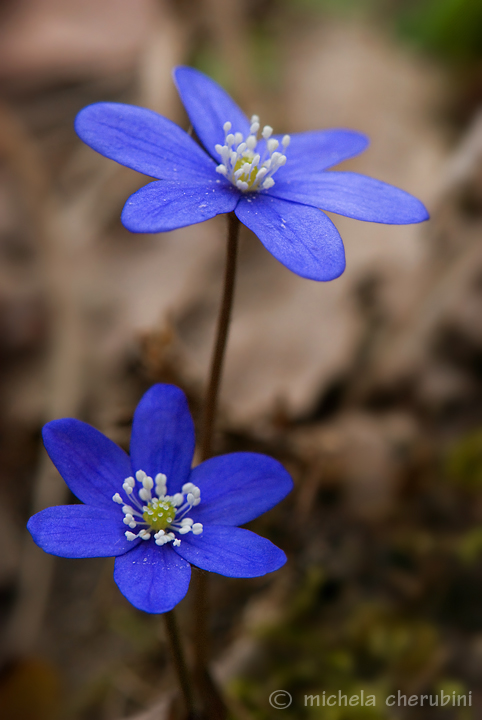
(231,551)
(153,579)
(238,487)
(316,150)
(353,195)
(162,439)
(302,238)
(79,531)
(142,140)
(169,204)
(208,107)
(93,466)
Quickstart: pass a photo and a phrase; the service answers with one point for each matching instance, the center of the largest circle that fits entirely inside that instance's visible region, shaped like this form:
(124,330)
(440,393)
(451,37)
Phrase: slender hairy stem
(179,661)
(221,337)
(212,699)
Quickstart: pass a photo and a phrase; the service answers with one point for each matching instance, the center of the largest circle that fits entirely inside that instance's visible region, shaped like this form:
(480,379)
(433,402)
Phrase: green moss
(464,462)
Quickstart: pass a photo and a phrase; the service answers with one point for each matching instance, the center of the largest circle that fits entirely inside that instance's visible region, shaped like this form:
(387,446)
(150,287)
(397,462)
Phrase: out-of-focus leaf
(464,462)
(450,28)
(469,546)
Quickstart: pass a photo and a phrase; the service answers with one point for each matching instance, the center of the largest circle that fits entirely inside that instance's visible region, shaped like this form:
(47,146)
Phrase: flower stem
(179,662)
(213,701)
(221,338)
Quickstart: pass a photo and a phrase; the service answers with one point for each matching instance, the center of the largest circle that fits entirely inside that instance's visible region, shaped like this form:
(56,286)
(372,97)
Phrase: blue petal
(93,466)
(317,150)
(152,578)
(353,195)
(80,531)
(238,487)
(231,551)
(300,237)
(162,439)
(167,205)
(142,140)
(208,107)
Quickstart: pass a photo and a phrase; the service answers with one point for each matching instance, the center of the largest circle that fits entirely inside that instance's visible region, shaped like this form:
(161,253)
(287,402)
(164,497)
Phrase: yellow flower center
(248,175)
(242,165)
(159,514)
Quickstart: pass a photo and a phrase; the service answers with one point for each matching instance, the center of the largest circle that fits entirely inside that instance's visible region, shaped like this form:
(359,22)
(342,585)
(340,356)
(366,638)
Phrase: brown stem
(179,662)
(221,337)
(213,703)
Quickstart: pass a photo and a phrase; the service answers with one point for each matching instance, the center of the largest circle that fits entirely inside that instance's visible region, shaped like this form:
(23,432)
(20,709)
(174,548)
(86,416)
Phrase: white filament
(245,168)
(182,502)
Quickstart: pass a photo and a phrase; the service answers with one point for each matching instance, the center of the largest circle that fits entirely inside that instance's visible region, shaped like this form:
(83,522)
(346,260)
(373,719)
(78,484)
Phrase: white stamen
(128,486)
(148,483)
(155,509)
(240,163)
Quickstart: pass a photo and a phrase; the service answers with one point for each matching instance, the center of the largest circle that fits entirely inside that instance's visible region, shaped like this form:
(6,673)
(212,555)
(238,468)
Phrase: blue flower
(151,511)
(275,185)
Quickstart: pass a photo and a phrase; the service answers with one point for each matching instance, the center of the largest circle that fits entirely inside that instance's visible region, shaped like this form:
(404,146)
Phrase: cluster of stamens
(247,169)
(161,515)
